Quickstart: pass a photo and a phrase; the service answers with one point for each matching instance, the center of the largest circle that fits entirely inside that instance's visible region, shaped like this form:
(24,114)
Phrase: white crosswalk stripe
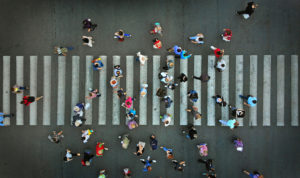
(181,102)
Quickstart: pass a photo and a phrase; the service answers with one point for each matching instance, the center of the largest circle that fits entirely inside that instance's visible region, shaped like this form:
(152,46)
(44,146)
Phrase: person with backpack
(165,77)
(118,71)
(86,135)
(169,64)
(235,112)
(192,133)
(193,95)
(168,101)
(249,100)
(121,93)
(97,64)
(157,29)
(219,100)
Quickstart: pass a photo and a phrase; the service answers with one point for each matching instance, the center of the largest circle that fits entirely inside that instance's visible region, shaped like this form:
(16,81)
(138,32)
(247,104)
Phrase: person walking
(218,52)
(157,43)
(249,100)
(131,114)
(27,100)
(157,29)
(153,142)
(78,109)
(18,89)
(192,132)
(193,95)
(87,158)
(143,90)
(169,152)
(160,92)
(86,135)
(97,64)
(238,143)
(128,102)
(203,150)
(166,119)
(179,165)
(141,58)
(120,93)
(169,64)
(255,174)
(184,55)
(2,116)
(100,148)
(78,120)
(120,35)
(55,137)
(204,77)
(87,41)
(231,123)
(93,93)
(147,164)
(132,123)
(114,82)
(171,86)
(226,35)
(219,100)
(140,148)
(62,51)
(194,111)
(165,77)
(168,101)
(208,164)
(235,112)
(182,77)
(248,11)
(69,155)
(87,24)
(176,50)
(220,65)
(198,39)
(118,71)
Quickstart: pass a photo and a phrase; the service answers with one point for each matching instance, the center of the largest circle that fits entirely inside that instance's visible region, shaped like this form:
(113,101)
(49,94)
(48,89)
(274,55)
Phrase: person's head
(254,101)
(170,156)
(155,39)
(87,163)
(149,168)
(198,116)
(195,135)
(179,50)
(254,6)
(166,122)
(171,64)
(121,33)
(153,136)
(228,32)
(22,102)
(222,65)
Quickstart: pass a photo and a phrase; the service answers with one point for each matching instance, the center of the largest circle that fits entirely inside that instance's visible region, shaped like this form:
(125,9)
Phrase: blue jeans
(223,122)
(243,97)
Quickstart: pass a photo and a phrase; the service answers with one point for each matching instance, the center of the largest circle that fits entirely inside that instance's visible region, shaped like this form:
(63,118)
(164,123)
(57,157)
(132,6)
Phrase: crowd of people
(170,83)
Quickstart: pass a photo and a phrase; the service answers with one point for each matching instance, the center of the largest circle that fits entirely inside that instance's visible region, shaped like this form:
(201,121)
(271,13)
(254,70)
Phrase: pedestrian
(143,90)
(182,77)
(232,123)
(87,24)
(204,77)
(114,82)
(126,173)
(165,77)
(18,89)
(97,64)
(219,100)
(169,64)
(160,92)
(171,86)
(179,165)
(210,175)
(61,51)
(86,135)
(193,95)
(218,52)
(100,148)
(198,39)
(78,109)
(249,100)
(226,35)
(78,120)
(87,41)
(153,142)
(147,164)
(55,137)
(192,132)
(168,101)
(132,114)
(27,100)
(141,58)
(93,93)
(208,164)
(194,111)
(166,119)
(125,141)
(103,174)
(220,65)
(248,11)
(203,150)
(255,174)
(140,148)
(87,158)
(184,55)
(169,152)
(128,102)
(69,155)
(120,93)
(176,50)
(235,112)
(238,143)
(157,43)
(118,71)
(120,35)
(132,123)
(2,116)
(157,29)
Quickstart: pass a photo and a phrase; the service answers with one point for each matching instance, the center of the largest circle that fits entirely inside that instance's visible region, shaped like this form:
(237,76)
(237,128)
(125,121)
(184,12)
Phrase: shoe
(142,159)
(12,115)
(154,161)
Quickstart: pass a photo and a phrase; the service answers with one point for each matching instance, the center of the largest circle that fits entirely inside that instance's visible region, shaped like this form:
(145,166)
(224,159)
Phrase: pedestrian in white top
(166,119)
(220,65)
(165,78)
(141,58)
(88,41)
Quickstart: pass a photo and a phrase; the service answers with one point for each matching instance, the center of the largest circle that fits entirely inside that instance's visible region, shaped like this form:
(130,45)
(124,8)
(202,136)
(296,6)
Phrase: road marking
(211,91)
(47,91)
(116,100)
(225,89)
(143,100)
(156,85)
(33,90)
(183,93)
(103,92)
(19,97)
(197,84)
(170,93)
(253,89)
(129,77)
(61,90)
(295,90)
(267,91)
(280,90)
(6,88)
(88,84)
(239,84)
(75,84)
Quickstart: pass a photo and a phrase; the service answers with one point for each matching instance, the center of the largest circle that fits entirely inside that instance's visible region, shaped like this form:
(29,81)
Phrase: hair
(254,101)
(149,168)
(166,122)
(121,32)
(85,40)
(170,156)
(223,65)
(22,102)
(198,116)
(179,50)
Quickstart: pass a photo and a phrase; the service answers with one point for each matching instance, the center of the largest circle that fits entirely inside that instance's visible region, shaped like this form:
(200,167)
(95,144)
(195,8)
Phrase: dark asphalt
(35,27)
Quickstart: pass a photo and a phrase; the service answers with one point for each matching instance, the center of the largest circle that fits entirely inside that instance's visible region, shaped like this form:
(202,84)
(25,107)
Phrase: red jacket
(216,53)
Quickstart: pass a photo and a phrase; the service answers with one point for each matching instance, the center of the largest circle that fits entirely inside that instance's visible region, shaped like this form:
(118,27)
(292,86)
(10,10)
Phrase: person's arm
(246,104)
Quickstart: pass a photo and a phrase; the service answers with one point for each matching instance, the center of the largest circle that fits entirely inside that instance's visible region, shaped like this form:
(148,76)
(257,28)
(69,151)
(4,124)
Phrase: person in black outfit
(153,142)
(182,77)
(249,9)
(87,158)
(208,164)
(203,77)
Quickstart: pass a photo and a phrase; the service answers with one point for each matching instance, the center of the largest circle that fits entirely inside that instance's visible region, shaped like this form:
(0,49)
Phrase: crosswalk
(273,79)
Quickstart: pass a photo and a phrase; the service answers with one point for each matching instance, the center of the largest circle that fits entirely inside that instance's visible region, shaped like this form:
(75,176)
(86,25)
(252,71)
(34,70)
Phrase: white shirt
(219,65)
